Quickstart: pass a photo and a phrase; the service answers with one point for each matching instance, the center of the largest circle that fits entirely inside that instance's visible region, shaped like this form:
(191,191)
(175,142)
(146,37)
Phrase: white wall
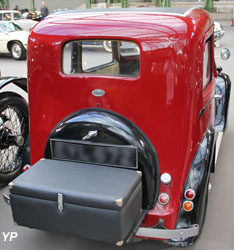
(51,4)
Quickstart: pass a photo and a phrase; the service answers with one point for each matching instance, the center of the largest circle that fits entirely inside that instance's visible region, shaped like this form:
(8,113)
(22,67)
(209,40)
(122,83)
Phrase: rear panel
(164,100)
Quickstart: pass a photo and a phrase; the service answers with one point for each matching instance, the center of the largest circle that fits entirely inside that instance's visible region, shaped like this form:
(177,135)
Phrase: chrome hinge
(90,134)
(60,202)
(216,96)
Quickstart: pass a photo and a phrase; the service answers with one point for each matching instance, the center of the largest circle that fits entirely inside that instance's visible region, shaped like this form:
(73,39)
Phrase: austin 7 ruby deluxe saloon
(122,140)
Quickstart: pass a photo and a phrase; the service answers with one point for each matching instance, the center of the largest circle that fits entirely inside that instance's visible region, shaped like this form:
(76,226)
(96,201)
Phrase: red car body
(163,101)
(167,100)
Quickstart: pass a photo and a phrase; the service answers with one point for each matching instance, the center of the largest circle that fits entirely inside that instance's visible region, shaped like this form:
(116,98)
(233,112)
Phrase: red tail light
(163,198)
(189,194)
(25,168)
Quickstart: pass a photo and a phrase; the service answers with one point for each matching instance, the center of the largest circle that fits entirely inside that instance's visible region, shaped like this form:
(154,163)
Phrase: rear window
(101,57)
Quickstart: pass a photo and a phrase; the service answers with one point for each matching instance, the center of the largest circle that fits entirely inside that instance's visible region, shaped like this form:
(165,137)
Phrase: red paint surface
(164,101)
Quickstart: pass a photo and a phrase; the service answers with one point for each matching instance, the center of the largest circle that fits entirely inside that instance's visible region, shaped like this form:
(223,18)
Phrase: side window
(0,17)
(17,16)
(6,17)
(2,30)
(101,57)
(207,64)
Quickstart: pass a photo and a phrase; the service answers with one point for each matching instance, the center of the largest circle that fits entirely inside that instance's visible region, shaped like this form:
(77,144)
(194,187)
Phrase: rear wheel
(18,51)
(13,133)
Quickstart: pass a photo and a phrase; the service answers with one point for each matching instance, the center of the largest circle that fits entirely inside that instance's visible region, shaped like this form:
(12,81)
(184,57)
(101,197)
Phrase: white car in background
(14,40)
(218,33)
(16,17)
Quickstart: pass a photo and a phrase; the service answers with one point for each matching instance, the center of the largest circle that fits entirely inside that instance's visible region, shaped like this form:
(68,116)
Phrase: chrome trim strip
(203,110)
(218,96)
(218,143)
(168,234)
(6,197)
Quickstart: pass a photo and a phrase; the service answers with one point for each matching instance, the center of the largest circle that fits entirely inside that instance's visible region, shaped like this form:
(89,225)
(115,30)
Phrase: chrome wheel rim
(16,50)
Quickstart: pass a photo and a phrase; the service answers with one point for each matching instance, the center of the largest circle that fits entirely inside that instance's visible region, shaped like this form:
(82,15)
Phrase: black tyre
(14,130)
(18,51)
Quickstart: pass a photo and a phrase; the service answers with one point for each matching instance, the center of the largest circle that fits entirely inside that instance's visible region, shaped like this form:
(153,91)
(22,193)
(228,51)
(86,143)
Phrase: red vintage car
(122,141)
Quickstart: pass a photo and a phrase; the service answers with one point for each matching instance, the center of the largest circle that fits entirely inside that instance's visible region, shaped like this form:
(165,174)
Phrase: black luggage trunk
(89,201)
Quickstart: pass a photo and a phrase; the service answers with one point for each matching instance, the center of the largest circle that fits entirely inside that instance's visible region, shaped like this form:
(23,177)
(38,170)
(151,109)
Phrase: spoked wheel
(13,134)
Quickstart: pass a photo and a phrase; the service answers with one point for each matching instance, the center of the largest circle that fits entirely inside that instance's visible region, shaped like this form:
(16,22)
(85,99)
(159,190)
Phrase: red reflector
(25,168)
(189,194)
(163,198)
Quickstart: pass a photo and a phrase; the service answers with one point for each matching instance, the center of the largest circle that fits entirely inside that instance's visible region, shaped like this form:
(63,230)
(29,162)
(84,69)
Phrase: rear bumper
(175,234)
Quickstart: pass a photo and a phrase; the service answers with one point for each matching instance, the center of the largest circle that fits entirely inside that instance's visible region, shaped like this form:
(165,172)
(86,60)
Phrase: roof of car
(174,11)
(7,11)
(140,23)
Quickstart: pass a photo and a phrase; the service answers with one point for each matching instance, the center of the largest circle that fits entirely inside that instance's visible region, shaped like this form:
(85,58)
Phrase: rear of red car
(145,105)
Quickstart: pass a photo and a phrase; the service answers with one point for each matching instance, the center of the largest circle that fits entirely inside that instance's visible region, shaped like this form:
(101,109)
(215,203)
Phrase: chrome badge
(98,92)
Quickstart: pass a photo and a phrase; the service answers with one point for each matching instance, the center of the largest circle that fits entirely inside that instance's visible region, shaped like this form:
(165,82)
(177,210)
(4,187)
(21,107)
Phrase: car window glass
(17,16)
(2,30)
(8,27)
(207,64)
(91,50)
(101,57)
(6,16)
(0,17)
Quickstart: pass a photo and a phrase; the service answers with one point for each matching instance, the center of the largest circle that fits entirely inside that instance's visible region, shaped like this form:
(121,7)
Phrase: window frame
(207,80)
(77,64)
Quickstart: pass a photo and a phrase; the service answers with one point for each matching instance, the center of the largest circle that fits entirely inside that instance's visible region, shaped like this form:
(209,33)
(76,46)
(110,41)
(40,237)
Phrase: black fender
(20,82)
(223,90)
(113,129)
(198,180)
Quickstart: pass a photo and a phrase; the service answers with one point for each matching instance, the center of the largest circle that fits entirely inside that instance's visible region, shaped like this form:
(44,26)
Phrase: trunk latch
(60,202)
